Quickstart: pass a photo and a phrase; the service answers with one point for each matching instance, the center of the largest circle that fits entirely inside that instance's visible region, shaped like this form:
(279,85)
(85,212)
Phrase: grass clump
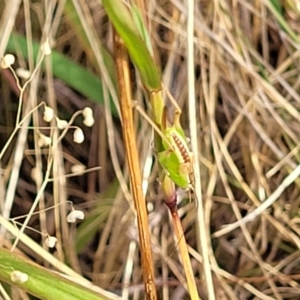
(62,152)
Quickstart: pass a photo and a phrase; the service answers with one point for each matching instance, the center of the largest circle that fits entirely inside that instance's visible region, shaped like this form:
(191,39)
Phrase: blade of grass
(75,22)
(41,282)
(45,255)
(203,242)
(123,22)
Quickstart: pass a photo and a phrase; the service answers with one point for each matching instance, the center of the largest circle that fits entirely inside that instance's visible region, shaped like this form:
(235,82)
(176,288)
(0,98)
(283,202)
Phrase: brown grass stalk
(133,165)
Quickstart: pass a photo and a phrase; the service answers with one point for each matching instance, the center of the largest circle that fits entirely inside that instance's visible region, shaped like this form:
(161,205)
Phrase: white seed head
(75,215)
(7,61)
(48,114)
(51,241)
(18,276)
(46,47)
(61,124)
(22,73)
(78,168)
(78,136)
(88,121)
(87,111)
(44,140)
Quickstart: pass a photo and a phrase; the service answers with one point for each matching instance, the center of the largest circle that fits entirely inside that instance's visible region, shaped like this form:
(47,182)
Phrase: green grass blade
(125,25)
(138,20)
(41,282)
(276,10)
(75,23)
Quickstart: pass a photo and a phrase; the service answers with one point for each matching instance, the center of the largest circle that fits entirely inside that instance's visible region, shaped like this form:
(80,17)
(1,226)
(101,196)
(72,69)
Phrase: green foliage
(122,18)
(42,282)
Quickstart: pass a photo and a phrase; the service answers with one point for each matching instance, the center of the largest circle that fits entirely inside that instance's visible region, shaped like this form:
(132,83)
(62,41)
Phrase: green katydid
(175,158)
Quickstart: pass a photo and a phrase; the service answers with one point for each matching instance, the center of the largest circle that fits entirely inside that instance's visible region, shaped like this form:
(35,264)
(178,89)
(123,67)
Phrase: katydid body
(176,159)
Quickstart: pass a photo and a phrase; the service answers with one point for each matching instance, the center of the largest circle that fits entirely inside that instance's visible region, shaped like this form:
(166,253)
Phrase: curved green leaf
(124,24)
(41,282)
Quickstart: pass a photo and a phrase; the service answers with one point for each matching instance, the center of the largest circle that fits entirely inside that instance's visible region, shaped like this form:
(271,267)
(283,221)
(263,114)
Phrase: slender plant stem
(185,256)
(134,168)
(203,232)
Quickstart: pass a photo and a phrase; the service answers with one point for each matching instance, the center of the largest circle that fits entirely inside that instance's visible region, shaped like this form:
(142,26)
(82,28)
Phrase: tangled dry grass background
(247,83)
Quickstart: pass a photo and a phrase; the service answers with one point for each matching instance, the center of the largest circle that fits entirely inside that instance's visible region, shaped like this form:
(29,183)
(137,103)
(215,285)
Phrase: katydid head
(165,125)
